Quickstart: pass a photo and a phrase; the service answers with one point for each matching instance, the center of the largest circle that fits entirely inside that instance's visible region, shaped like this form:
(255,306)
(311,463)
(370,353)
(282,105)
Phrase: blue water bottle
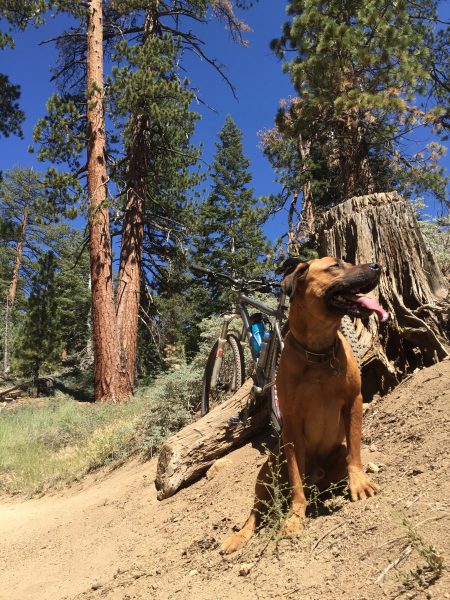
(258,330)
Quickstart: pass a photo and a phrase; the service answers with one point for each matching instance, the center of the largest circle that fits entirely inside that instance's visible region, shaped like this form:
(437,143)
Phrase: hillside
(108,537)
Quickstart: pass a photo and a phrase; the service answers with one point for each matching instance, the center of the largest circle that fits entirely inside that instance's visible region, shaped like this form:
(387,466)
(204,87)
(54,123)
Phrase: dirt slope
(110,537)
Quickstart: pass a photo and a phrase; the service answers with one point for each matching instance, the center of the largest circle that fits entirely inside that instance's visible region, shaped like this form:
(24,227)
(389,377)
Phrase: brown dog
(319,388)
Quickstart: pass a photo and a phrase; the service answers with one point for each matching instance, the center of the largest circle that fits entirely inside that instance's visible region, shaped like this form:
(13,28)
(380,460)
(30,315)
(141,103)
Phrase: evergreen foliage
(72,295)
(230,237)
(361,70)
(147,97)
(24,206)
(54,320)
(150,157)
(38,329)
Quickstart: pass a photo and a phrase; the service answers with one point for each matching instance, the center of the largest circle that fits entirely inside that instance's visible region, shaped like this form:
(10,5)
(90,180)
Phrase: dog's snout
(374,266)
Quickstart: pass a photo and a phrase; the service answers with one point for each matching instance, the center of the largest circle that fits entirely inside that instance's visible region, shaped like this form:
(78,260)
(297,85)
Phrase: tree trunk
(190,452)
(12,292)
(382,228)
(308,212)
(6,339)
(19,253)
(129,278)
(110,381)
(130,270)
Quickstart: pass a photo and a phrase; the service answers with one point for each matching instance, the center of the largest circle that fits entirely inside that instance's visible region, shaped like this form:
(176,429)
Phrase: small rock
(245,568)
(373,448)
(96,585)
(415,471)
(217,466)
(372,468)
(193,572)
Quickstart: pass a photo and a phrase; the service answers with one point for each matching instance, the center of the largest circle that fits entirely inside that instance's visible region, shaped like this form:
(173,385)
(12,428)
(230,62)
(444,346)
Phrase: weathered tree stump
(382,228)
(189,453)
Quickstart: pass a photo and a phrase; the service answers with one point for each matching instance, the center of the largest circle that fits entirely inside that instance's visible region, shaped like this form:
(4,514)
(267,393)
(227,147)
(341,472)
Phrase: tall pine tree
(230,237)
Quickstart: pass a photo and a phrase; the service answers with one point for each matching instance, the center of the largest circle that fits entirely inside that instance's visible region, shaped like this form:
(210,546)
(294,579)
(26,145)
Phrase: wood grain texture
(190,452)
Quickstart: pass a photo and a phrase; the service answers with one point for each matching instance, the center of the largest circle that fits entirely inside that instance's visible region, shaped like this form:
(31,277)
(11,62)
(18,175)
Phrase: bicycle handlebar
(240,283)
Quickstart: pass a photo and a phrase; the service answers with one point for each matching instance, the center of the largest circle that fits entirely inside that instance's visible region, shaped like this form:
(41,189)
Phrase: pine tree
(359,70)
(230,235)
(37,339)
(72,294)
(28,220)
(153,105)
(57,290)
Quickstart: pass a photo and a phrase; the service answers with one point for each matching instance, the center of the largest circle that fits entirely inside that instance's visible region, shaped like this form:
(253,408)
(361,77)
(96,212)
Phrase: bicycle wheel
(349,332)
(231,375)
(271,373)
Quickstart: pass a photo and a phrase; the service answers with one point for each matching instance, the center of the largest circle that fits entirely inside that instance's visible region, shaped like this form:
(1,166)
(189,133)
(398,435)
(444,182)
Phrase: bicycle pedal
(234,421)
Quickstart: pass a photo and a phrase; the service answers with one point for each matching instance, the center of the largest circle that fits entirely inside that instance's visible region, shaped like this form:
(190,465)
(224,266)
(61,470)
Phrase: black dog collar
(317,357)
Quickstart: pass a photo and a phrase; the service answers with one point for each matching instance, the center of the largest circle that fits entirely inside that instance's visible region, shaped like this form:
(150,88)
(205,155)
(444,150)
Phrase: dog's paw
(234,542)
(293,524)
(360,486)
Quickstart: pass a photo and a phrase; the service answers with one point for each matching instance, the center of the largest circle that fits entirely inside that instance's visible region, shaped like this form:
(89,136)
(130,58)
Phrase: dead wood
(190,452)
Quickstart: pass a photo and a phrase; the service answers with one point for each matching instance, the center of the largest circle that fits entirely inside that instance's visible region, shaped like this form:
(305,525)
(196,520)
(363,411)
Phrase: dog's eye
(335,266)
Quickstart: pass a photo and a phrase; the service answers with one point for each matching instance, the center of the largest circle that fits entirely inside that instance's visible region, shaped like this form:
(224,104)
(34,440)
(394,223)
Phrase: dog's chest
(314,397)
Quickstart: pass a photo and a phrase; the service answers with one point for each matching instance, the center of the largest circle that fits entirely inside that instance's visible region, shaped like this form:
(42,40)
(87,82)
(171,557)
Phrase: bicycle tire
(231,375)
(275,415)
(348,330)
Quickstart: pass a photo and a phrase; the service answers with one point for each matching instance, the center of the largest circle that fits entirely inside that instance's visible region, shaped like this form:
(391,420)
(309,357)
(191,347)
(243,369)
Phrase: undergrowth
(55,442)
(274,510)
(50,442)
(431,570)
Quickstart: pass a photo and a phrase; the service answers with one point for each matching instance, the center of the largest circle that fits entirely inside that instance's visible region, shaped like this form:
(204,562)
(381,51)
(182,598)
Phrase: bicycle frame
(261,374)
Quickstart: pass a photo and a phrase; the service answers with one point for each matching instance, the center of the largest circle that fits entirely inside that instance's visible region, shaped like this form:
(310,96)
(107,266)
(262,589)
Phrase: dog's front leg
(360,485)
(295,462)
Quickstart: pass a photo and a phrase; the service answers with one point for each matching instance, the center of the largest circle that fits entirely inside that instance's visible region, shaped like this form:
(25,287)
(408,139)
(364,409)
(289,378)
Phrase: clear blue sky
(254,71)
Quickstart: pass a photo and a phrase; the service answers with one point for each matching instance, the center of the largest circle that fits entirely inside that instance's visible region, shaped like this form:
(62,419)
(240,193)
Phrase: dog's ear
(289,265)
(290,282)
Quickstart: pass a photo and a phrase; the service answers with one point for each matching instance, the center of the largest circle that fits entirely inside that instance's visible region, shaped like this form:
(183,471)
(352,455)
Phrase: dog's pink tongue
(372,305)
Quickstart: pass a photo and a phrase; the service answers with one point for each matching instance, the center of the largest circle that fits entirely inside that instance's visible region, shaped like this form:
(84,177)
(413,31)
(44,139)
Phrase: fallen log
(189,453)
(10,393)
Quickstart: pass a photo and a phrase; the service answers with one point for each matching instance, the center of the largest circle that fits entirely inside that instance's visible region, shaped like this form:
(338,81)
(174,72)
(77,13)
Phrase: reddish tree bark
(19,254)
(130,269)
(110,380)
(129,279)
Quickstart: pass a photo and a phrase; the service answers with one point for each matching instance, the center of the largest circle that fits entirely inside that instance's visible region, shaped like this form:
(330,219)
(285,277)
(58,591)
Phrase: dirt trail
(110,538)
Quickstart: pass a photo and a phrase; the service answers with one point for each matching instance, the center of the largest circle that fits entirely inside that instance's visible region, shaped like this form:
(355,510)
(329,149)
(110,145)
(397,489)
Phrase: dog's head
(330,286)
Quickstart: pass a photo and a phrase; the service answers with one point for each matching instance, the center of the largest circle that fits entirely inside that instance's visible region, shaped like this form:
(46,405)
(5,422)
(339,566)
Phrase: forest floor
(108,537)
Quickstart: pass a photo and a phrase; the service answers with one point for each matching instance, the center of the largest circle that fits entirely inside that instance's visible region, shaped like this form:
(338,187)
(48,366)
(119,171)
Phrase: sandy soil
(110,538)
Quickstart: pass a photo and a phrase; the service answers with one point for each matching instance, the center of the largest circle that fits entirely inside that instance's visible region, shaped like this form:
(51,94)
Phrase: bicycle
(263,335)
